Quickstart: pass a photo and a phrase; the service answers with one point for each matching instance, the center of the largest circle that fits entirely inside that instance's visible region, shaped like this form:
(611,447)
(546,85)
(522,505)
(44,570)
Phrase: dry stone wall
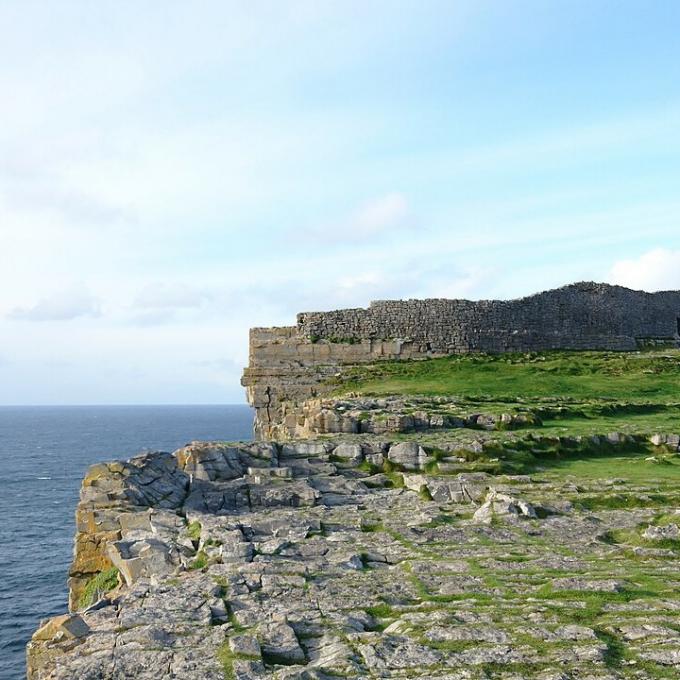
(289,365)
(580,316)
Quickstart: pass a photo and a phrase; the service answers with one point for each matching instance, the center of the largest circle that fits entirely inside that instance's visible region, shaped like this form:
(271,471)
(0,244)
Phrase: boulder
(500,504)
(415,482)
(280,644)
(409,455)
(245,645)
(64,627)
(137,559)
(349,453)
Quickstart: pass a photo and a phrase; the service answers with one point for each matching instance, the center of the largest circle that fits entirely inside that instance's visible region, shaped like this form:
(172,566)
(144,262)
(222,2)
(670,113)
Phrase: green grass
(631,466)
(440,520)
(200,561)
(226,659)
(194,530)
(663,420)
(97,586)
(634,538)
(652,376)
(554,393)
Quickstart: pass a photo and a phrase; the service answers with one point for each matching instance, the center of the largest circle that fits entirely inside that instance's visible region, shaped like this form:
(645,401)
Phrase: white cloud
(403,277)
(61,306)
(155,317)
(657,269)
(447,281)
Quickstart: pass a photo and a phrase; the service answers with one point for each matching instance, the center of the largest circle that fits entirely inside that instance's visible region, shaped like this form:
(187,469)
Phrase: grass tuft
(98,586)
(194,530)
(200,561)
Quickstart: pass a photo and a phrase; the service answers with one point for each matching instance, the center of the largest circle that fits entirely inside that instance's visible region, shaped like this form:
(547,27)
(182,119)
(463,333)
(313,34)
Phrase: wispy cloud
(61,306)
(378,216)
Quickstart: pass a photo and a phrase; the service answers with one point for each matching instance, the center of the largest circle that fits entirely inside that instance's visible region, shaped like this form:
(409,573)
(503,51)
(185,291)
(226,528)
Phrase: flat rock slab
(298,561)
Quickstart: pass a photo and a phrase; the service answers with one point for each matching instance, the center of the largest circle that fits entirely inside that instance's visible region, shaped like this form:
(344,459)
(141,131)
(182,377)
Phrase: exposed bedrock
(365,558)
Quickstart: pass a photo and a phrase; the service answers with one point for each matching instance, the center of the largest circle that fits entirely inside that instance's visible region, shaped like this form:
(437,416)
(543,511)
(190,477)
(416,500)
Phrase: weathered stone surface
(668,532)
(115,498)
(499,504)
(64,627)
(409,455)
(280,644)
(394,414)
(351,453)
(330,570)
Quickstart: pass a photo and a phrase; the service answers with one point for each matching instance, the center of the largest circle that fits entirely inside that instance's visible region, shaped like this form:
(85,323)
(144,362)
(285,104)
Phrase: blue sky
(174,173)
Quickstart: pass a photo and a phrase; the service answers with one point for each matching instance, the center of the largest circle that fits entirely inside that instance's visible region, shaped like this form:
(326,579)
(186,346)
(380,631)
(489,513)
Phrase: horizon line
(117,405)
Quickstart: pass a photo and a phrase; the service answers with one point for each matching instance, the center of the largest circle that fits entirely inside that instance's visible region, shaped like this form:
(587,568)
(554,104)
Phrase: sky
(174,173)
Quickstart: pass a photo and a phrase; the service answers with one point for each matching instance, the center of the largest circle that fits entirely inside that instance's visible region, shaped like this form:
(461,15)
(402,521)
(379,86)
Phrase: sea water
(44,452)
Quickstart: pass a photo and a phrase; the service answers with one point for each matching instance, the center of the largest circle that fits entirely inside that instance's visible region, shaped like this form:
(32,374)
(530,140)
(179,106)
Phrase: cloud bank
(61,306)
(655,270)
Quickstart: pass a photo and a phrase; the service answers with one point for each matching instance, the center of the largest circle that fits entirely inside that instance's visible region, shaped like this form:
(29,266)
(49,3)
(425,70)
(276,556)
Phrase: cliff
(527,530)
(368,558)
(290,365)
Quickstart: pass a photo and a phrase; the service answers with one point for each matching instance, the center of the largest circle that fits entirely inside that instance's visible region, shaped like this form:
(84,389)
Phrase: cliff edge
(367,558)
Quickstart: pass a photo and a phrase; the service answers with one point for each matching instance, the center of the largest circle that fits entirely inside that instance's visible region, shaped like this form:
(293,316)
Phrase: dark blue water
(44,453)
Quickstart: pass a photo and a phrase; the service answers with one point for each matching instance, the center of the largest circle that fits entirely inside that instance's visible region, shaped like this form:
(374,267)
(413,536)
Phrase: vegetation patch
(200,561)
(194,530)
(645,376)
(560,392)
(226,659)
(98,586)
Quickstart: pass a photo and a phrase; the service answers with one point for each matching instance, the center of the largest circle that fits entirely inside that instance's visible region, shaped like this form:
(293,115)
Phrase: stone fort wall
(292,364)
(580,316)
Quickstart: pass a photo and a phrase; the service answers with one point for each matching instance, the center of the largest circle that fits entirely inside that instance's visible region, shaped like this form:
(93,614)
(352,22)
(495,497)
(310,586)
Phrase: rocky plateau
(358,557)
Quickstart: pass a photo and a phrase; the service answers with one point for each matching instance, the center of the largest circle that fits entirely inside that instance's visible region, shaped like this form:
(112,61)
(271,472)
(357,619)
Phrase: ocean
(46,451)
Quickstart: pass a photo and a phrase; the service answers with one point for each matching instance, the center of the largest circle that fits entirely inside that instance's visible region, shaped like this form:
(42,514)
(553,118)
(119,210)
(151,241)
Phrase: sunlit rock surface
(360,558)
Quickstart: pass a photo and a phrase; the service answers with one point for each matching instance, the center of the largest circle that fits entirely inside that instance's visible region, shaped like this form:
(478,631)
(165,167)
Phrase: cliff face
(290,365)
(285,369)
(149,519)
(116,499)
(210,541)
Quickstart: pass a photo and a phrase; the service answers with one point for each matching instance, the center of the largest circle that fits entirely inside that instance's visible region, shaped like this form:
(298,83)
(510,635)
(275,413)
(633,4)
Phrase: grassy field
(590,562)
(631,467)
(636,377)
(565,393)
